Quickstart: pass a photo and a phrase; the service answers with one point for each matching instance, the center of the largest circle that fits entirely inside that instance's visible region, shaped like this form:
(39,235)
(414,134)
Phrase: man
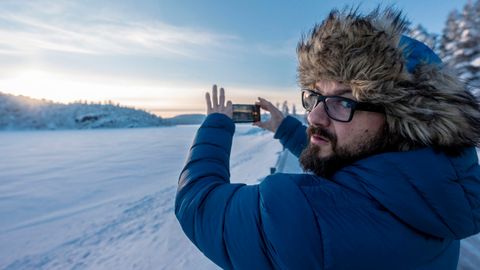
(393,182)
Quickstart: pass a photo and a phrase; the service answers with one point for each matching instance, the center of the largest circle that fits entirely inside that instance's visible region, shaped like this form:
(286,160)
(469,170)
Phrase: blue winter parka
(398,210)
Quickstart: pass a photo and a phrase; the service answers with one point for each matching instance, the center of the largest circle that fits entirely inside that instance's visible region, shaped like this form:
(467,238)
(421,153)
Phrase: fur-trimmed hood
(425,102)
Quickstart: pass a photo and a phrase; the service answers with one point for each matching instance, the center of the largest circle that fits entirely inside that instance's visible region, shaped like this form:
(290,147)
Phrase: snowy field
(104,199)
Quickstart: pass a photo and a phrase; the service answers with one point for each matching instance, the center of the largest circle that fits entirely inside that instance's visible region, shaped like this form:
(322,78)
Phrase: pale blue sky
(162,55)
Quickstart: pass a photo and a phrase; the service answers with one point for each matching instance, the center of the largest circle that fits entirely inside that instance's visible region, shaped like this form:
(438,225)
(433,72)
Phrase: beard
(341,155)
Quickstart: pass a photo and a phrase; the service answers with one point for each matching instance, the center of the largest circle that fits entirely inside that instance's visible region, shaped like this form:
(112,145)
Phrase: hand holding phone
(276,116)
(240,113)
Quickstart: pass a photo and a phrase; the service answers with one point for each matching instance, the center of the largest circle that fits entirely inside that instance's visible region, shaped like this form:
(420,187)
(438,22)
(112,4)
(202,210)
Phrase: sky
(163,55)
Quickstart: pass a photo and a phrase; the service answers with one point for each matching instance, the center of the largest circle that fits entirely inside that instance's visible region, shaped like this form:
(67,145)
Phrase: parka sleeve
(292,135)
(221,219)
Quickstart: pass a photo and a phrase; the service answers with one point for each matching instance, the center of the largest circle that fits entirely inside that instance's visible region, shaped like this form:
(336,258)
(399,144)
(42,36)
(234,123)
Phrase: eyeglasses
(337,108)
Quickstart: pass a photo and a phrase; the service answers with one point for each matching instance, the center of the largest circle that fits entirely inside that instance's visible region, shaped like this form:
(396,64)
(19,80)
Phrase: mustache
(319,131)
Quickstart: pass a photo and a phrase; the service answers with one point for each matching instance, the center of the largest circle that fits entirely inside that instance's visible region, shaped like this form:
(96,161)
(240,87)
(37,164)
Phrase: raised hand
(276,116)
(218,106)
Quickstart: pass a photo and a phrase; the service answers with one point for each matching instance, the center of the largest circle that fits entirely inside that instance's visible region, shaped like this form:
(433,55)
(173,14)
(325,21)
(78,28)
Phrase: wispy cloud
(285,48)
(33,32)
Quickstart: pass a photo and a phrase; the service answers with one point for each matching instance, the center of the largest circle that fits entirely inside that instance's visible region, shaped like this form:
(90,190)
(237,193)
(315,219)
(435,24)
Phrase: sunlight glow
(65,89)
(162,98)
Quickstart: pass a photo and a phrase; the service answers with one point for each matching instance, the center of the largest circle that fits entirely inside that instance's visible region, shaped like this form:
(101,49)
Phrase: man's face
(334,144)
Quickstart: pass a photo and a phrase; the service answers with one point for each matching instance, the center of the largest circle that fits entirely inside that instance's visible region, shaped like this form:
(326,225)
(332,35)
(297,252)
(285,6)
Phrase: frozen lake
(103,199)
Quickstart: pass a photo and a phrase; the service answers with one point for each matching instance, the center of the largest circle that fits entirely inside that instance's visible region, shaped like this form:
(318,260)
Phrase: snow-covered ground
(103,199)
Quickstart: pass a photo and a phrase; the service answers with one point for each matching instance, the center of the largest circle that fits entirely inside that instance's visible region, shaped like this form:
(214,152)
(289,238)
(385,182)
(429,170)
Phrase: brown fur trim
(430,107)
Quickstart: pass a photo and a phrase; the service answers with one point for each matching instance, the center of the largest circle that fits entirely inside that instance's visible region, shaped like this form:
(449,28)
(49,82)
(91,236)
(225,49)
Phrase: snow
(288,163)
(461,65)
(451,46)
(466,75)
(476,62)
(20,113)
(469,253)
(103,199)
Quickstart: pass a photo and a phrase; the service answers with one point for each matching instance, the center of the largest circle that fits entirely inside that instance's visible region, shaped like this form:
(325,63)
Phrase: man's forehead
(332,88)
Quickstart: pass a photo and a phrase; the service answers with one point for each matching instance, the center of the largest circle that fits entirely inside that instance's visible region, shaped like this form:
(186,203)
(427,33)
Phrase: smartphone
(246,113)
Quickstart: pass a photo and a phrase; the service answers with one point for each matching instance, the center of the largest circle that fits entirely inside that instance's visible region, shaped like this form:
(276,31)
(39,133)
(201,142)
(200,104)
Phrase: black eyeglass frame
(355,105)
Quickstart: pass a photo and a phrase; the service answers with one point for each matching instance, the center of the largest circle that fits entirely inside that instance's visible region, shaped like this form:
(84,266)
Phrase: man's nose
(318,116)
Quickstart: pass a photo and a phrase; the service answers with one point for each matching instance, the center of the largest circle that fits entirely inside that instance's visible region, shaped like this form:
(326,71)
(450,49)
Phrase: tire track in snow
(138,222)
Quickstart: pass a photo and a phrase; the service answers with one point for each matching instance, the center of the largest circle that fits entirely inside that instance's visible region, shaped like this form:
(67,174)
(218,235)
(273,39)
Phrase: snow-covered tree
(19,112)
(285,109)
(475,59)
(460,45)
(450,36)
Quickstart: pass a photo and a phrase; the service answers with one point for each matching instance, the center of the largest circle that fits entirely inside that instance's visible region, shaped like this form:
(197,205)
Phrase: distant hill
(185,119)
(197,119)
(20,112)
(25,113)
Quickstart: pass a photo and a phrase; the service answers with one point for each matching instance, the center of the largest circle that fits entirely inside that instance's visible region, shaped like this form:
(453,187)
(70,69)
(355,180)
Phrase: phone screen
(246,113)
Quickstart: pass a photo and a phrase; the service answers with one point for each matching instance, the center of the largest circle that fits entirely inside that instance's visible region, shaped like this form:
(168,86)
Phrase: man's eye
(313,97)
(346,104)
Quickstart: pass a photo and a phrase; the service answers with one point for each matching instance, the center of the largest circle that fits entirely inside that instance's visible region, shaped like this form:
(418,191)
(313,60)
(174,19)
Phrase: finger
(259,124)
(222,97)
(229,109)
(266,103)
(214,96)
(268,106)
(209,103)
(263,104)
